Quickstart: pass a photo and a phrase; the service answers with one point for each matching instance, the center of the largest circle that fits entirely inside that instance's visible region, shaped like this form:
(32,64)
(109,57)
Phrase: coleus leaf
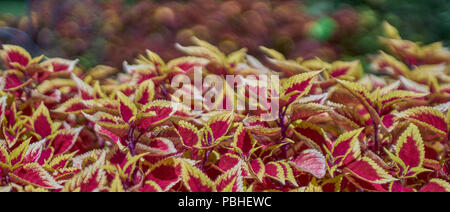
(396,186)
(414,86)
(17,57)
(200,51)
(230,181)
(288,173)
(217,127)
(5,160)
(65,139)
(298,85)
(367,99)
(61,161)
(162,110)
(157,147)
(346,70)
(346,148)
(195,180)
(91,179)
(116,185)
(427,117)
(108,122)
(34,174)
(127,108)
(410,148)
(306,110)
(106,105)
(272,53)
(165,173)
(73,105)
(34,152)
(436,185)
(16,155)
(60,64)
(41,121)
(396,96)
(228,161)
(359,91)
(390,31)
(275,171)
(186,64)
(390,65)
(243,142)
(145,92)
(257,168)
(367,170)
(152,58)
(85,91)
(12,80)
(289,67)
(365,185)
(311,161)
(150,186)
(189,134)
(311,133)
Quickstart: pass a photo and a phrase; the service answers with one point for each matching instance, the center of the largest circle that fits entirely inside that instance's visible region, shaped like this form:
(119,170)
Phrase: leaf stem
(131,142)
(205,158)
(375,138)
(282,125)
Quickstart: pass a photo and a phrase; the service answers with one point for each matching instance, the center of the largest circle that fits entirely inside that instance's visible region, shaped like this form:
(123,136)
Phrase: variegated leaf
(311,161)
(367,170)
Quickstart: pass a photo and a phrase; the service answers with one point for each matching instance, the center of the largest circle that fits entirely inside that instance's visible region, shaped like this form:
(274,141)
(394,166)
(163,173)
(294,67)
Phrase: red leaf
(346,148)
(410,147)
(195,180)
(311,161)
(166,173)
(163,110)
(15,54)
(367,170)
(427,117)
(312,134)
(85,91)
(220,124)
(275,171)
(227,162)
(128,110)
(397,187)
(243,141)
(12,80)
(42,124)
(436,185)
(65,139)
(298,85)
(189,134)
(157,147)
(34,174)
(231,181)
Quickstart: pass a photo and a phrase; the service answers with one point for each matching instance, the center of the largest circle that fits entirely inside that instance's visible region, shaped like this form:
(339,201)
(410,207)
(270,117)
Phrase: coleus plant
(335,128)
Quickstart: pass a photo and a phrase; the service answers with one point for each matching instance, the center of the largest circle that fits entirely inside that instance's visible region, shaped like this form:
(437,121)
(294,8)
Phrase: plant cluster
(337,129)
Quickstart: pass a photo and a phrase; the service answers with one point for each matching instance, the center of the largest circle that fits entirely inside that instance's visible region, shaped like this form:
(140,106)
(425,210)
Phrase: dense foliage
(337,129)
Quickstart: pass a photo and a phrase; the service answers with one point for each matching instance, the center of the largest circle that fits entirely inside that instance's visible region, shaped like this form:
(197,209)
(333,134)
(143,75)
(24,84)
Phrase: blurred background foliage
(111,31)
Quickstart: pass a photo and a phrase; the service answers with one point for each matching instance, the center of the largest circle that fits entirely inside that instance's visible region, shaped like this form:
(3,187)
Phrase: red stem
(131,142)
(205,158)
(375,138)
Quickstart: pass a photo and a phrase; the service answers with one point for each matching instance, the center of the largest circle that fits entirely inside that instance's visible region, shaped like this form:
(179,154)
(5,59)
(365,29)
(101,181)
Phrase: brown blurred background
(111,31)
